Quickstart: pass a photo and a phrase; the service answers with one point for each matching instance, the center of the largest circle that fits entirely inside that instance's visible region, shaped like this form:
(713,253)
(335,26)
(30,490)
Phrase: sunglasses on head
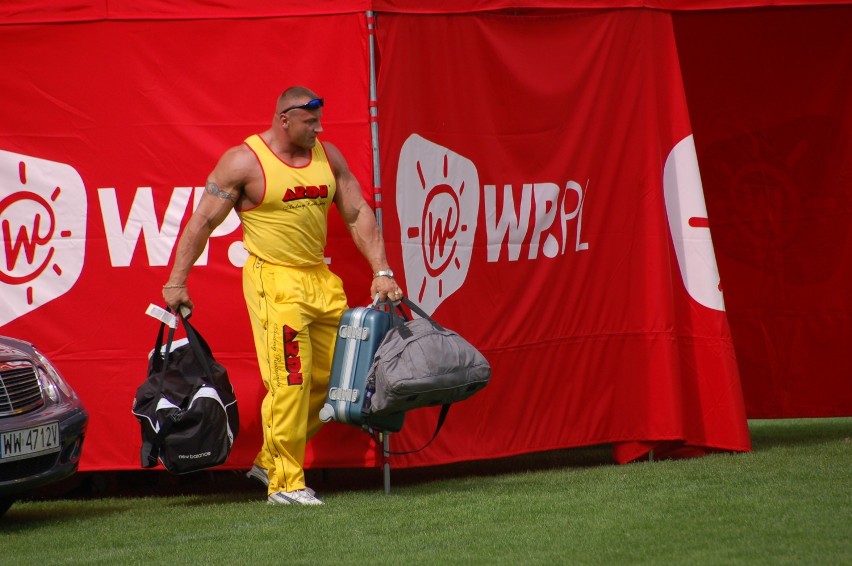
(309,105)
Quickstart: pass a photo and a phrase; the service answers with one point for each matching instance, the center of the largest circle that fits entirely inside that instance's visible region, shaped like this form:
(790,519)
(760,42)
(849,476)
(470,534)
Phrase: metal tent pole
(374,118)
(377,192)
(386,461)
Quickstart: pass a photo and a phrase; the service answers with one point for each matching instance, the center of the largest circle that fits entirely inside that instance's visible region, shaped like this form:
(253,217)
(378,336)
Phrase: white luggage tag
(165,316)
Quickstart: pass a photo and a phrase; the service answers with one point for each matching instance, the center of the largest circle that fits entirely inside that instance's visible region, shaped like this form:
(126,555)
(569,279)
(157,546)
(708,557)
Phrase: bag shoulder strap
(159,359)
(199,346)
(441,417)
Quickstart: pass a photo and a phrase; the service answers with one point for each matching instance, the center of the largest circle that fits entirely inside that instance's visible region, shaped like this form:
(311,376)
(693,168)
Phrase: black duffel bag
(186,406)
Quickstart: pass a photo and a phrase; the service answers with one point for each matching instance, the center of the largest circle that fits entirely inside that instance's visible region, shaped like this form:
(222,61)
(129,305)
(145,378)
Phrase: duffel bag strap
(199,346)
(397,313)
(441,417)
(196,342)
(160,358)
(415,308)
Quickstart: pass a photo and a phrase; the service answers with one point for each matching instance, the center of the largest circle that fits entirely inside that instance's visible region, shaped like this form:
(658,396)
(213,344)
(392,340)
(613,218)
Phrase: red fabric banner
(128,119)
(534,186)
(540,196)
(774,139)
(459,7)
(32,11)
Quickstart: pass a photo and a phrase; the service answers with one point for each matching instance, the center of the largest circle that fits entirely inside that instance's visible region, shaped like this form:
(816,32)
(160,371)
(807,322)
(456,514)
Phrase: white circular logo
(690,229)
(438,207)
(42,229)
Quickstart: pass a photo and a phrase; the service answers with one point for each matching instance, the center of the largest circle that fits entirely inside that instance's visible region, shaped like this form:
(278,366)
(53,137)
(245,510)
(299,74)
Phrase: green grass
(787,502)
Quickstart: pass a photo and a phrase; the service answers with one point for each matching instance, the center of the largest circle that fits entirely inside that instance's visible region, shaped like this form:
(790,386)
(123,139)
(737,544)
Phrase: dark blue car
(42,422)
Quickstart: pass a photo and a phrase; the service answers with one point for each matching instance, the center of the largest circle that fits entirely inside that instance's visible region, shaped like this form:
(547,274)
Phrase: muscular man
(282,183)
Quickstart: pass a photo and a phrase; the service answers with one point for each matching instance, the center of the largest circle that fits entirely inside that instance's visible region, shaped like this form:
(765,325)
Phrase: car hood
(12,348)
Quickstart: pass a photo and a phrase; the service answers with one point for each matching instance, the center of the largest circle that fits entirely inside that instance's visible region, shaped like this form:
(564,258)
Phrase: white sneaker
(298,497)
(257,473)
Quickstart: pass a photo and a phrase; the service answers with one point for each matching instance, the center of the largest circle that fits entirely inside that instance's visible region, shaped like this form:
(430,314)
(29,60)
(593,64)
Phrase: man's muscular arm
(360,221)
(222,191)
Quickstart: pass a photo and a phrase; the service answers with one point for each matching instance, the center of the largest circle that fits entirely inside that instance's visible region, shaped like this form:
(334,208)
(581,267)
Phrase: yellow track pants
(294,312)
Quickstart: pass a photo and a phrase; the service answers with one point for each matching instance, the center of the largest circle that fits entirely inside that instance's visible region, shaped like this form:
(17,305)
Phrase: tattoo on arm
(213,189)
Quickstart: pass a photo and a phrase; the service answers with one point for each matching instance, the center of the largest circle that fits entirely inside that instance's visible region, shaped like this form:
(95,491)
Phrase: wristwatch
(383,273)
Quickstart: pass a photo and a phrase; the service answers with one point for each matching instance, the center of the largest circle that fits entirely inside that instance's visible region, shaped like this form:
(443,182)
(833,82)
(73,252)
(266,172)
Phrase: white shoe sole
(281,498)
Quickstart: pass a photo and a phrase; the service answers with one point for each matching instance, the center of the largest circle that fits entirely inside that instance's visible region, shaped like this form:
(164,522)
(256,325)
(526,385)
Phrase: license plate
(29,442)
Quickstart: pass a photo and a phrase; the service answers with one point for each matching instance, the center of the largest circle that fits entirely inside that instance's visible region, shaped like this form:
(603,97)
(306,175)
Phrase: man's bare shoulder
(331,151)
(335,158)
(239,175)
(239,158)
(237,167)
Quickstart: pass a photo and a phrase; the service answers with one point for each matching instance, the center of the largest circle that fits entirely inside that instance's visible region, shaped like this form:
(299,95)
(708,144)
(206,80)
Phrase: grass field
(787,502)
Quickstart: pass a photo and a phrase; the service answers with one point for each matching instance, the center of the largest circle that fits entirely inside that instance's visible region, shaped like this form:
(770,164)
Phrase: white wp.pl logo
(438,206)
(42,230)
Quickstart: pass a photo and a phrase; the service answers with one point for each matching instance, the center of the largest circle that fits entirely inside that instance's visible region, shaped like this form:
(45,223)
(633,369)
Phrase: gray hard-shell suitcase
(359,335)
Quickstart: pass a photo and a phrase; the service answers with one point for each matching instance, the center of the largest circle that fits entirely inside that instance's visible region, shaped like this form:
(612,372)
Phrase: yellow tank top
(289,225)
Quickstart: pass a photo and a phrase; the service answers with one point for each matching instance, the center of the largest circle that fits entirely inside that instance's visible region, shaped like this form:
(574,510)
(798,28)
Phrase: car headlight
(48,387)
(54,380)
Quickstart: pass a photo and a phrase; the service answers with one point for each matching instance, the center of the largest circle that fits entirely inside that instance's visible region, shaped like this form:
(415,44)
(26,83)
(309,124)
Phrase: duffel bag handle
(415,309)
(196,342)
(158,356)
(202,350)
(394,308)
